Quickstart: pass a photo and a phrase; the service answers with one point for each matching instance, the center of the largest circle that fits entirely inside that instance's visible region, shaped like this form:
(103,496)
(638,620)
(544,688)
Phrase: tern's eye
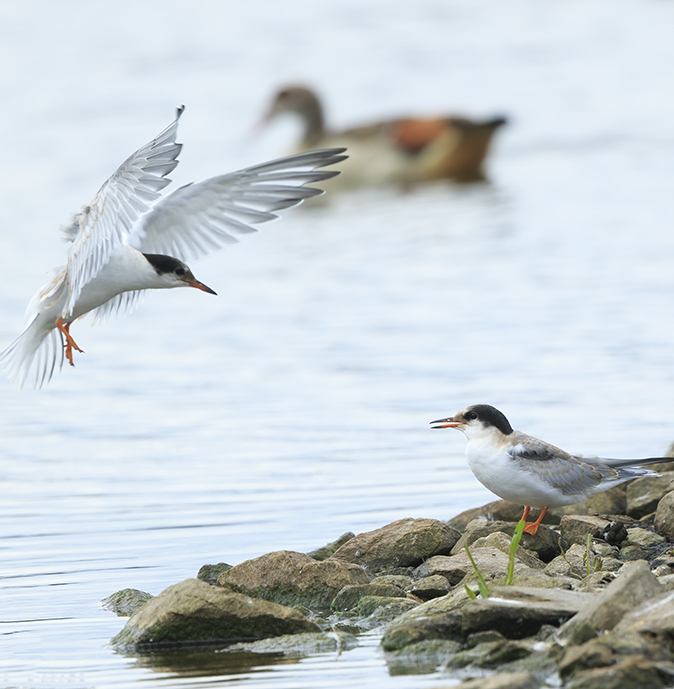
(470,416)
(180,271)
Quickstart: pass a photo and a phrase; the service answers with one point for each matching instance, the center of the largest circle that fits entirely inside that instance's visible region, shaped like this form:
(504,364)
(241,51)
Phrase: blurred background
(295,405)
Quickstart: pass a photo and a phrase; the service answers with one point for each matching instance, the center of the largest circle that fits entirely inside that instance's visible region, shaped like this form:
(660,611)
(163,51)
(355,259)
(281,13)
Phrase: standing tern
(531,472)
(128,240)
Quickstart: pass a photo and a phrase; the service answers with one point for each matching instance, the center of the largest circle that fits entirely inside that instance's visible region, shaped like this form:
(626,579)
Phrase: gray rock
(634,585)
(492,562)
(412,631)
(422,658)
(645,537)
(545,544)
(611,564)
(324,552)
(518,612)
(125,602)
(291,578)
(596,582)
(404,543)
(376,611)
(210,573)
(631,673)
(294,644)
(196,612)
(630,553)
(439,618)
(399,580)
(644,494)
(654,617)
(430,587)
(494,652)
(349,596)
(590,655)
(503,680)
(664,516)
(575,528)
(667,582)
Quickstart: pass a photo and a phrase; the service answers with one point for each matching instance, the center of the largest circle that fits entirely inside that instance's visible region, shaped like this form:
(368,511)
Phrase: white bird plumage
(108,267)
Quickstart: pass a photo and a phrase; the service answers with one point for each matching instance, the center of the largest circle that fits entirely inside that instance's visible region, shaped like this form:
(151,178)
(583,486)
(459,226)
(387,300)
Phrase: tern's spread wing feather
(100,228)
(199,218)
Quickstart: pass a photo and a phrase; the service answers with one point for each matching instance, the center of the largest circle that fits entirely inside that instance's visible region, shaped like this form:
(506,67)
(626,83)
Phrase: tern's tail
(34,355)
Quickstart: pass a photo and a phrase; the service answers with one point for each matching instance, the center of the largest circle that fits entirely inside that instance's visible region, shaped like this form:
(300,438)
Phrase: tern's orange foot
(70,344)
(533,527)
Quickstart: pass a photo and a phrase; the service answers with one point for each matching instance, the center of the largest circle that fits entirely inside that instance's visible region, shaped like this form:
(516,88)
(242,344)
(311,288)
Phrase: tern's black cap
(490,416)
(164,264)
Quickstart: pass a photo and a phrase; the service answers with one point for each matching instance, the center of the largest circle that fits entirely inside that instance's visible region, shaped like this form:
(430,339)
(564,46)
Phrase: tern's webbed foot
(69,344)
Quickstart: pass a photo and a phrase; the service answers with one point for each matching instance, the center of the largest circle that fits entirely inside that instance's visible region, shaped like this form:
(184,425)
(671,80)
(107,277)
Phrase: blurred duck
(403,151)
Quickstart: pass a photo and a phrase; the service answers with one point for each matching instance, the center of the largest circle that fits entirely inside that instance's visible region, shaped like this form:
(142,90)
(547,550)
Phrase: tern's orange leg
(533,527)
(70,343)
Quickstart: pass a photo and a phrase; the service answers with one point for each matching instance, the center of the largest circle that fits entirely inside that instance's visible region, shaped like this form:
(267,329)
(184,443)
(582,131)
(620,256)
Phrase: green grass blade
(514,544)
(484,589)
(471,594)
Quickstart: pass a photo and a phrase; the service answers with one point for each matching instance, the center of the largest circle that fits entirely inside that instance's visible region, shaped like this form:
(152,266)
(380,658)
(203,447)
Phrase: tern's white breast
(495,469)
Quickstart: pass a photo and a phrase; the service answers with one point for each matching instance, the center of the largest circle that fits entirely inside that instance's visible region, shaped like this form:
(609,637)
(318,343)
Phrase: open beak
(201,286)
(446,423)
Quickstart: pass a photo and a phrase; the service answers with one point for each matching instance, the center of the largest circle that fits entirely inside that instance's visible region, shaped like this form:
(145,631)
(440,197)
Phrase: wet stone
(400,580)
(489,654)
(210,573)
(125,602)
(196,612)
(380,610)
(518,612)
(349,596)
(324,552)
(430,587)
(503,680)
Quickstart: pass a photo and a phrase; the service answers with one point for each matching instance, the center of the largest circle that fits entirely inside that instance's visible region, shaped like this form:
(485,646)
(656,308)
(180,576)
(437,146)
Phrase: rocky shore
(591,604)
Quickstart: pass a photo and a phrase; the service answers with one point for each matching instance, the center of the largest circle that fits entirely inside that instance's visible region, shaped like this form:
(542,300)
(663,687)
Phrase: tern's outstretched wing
(101,226)
(200,217)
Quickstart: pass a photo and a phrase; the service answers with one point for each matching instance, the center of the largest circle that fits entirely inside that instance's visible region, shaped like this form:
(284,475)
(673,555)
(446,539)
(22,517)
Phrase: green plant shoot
(517,537)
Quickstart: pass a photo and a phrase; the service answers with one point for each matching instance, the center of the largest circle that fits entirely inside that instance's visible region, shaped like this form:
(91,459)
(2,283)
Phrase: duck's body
(404,151)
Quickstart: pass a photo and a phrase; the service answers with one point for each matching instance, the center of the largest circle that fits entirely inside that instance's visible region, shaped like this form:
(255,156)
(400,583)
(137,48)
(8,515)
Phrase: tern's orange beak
(202,287)
(446,423)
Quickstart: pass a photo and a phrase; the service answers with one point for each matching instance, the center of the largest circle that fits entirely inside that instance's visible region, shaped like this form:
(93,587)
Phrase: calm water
(295,405)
